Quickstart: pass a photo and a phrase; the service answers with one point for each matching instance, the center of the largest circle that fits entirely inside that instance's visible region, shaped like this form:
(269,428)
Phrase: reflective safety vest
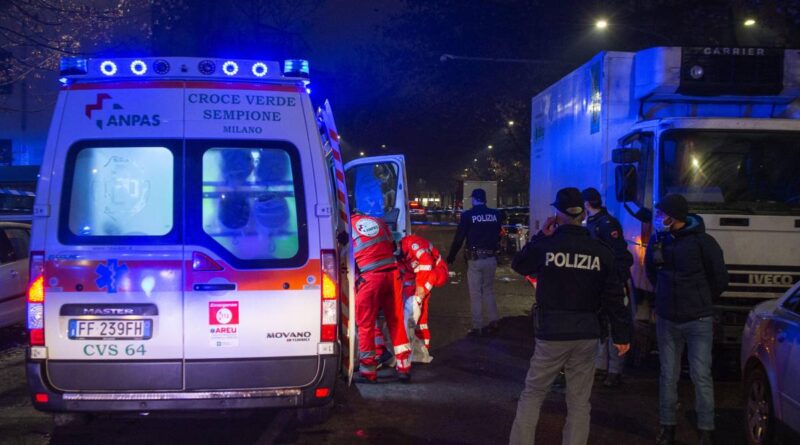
(372,244)
(425,260)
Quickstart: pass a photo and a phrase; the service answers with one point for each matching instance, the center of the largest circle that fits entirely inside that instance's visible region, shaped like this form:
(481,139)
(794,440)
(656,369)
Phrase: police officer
(576,280)
(481,227)
(607,229)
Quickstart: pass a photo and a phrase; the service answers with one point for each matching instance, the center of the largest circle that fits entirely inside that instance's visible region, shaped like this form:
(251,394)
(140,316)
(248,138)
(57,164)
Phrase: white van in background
(184,251)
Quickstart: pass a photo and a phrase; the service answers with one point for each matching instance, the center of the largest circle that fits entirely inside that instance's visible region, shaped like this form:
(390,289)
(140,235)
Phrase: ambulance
(184,251)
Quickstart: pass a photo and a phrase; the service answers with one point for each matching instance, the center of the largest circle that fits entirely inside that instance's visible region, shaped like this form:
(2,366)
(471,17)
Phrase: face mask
(663,225)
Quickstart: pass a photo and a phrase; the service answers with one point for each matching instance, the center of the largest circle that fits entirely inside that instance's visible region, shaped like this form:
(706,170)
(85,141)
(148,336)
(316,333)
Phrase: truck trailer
(719,125)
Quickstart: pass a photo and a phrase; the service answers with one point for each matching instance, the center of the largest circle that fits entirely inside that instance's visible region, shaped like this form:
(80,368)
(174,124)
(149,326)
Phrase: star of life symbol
(110,275)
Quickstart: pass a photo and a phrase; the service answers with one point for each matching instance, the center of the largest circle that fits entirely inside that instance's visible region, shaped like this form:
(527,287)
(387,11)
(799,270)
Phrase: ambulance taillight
(330,296)
(36,300)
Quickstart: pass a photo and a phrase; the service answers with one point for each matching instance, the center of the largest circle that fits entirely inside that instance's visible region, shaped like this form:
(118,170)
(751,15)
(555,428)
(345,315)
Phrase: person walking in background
(576,278)
(480,226)
(687,268)
(607,229)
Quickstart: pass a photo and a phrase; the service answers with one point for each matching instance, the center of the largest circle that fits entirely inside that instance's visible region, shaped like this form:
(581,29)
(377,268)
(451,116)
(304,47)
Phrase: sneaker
(404,377)
(666,435)
(491,329)
(612,380)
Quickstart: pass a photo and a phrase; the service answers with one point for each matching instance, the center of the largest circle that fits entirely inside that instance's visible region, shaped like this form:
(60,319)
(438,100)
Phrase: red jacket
(422,257)
(373,245)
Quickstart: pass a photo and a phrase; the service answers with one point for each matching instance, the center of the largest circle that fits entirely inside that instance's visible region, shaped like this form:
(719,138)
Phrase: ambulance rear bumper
(76,401)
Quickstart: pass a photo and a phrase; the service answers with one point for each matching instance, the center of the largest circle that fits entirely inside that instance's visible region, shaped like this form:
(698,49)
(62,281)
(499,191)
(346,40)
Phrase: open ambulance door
(347,280)
(378,187)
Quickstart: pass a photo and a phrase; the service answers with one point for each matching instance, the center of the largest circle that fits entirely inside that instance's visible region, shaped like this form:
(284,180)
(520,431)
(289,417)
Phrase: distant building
(26,107)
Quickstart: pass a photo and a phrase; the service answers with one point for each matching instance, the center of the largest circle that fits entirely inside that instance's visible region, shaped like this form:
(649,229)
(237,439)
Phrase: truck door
(333,155)
(377,186)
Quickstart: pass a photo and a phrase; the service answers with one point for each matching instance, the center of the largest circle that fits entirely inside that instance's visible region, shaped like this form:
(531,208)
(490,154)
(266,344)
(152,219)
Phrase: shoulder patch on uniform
(367,227)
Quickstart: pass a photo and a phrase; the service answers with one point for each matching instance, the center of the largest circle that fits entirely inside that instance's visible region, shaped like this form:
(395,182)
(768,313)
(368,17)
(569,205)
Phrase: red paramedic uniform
(422,258)
(378,288)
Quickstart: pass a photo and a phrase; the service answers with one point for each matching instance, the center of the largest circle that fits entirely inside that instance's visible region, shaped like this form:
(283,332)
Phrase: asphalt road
(467,395)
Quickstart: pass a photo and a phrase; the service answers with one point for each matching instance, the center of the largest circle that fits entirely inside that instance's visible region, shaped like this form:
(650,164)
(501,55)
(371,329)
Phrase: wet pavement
(467,395)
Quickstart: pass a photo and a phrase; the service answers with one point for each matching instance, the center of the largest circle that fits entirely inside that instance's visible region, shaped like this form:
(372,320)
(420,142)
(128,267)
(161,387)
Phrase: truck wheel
(315,415)
(759,417)
(70,419)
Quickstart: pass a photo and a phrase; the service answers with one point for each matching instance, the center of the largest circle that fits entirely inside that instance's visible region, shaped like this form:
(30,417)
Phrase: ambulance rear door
(113,252)
(378,187)
(253,274)
(333,155)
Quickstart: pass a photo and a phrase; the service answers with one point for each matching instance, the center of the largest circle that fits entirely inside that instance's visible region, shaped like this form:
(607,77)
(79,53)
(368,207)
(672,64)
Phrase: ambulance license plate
(110,329)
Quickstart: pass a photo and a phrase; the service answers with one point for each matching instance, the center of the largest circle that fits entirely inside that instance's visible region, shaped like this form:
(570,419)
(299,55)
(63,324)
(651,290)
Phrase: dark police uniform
(607,229)
(576,279)
(480,226)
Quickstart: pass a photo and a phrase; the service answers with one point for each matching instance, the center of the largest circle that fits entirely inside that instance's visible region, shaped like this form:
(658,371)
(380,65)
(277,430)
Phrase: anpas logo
(298,336)
(116,117)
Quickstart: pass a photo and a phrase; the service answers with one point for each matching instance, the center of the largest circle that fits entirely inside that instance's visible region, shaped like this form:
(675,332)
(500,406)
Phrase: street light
(510,123)
(750,22)
(361,153)
(490,147)
(602,25)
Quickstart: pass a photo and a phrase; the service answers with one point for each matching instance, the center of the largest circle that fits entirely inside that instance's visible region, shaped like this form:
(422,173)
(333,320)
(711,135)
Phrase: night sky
(379,62)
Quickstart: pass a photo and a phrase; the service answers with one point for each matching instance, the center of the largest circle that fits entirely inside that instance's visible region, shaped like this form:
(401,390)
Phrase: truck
(719,125)
(491,192)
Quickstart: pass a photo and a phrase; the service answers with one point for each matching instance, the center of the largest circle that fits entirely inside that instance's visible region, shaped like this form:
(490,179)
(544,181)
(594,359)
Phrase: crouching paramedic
(575,281)
(428,270)
(378,288)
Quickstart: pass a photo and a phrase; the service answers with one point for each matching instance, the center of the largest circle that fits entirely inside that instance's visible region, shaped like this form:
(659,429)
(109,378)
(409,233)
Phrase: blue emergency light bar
(78,68)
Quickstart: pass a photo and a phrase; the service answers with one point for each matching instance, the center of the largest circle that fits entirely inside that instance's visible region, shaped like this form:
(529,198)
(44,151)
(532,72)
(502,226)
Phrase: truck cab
(732,148)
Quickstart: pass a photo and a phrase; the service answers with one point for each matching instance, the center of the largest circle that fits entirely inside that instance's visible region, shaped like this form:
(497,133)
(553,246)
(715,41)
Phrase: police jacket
(688,271)
(606,228)
(576,280)
(480,226)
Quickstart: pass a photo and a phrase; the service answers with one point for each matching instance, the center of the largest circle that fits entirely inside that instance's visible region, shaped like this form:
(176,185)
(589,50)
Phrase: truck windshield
(733,171)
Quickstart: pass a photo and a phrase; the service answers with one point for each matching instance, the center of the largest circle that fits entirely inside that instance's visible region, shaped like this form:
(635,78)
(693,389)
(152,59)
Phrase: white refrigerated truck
(719,125)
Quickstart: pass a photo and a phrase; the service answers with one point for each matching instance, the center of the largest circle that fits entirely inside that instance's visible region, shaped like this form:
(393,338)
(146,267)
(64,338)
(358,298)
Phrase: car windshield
(733,171)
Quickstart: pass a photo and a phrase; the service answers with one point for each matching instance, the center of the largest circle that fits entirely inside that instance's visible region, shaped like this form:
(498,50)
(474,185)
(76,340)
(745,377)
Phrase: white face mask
(663,224)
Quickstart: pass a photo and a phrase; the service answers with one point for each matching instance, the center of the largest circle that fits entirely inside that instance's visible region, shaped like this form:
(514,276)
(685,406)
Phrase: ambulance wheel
(315,415)
(70,419)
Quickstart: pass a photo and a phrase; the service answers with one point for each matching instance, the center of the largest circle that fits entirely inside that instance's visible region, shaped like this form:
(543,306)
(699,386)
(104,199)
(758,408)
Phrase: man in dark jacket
(607,229)
(576,280)
(480,227)
(687,268)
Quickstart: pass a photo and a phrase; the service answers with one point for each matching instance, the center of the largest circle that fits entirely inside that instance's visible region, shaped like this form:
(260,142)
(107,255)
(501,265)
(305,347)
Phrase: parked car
(14,240)
(416,211)
(516,230)
(770,360)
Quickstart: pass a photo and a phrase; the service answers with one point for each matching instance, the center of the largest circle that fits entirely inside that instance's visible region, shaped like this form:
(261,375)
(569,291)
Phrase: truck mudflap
(318,393)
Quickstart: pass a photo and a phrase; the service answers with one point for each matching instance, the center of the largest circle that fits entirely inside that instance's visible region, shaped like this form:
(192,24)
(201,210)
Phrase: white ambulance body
(184,249)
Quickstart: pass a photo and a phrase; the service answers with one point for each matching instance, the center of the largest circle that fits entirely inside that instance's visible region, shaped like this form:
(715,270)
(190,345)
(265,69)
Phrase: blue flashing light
(230,68)
(296,67)
(63,80)
(161,66)
(206,67)
(138,67)
(73,65)
(108,68)
(259,69)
